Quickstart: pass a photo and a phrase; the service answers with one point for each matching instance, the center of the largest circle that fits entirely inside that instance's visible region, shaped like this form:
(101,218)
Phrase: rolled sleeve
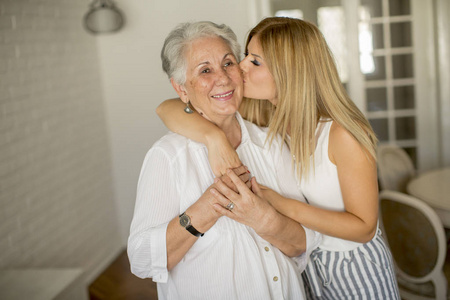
(157,203)
(147,254)
(313,239)
(158,250)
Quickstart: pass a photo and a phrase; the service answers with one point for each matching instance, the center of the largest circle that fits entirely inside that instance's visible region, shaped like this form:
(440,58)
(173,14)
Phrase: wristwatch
(185,221)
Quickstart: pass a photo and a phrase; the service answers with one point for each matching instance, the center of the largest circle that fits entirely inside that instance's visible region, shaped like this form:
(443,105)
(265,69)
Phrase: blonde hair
(257,111)
(308,88)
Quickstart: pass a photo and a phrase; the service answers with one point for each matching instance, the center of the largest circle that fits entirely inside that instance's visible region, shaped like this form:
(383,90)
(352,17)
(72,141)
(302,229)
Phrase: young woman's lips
(224,96)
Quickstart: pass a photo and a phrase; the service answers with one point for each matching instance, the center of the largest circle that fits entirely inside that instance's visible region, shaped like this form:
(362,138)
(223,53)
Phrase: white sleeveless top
(321,187)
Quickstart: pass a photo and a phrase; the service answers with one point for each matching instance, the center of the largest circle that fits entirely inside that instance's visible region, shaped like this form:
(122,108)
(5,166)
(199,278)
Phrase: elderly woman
(179,234)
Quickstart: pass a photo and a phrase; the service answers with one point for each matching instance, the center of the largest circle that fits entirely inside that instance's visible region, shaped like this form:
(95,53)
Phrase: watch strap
(194,231)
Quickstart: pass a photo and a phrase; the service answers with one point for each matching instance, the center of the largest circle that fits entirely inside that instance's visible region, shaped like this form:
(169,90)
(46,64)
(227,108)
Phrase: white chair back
(395,168)
(416,237)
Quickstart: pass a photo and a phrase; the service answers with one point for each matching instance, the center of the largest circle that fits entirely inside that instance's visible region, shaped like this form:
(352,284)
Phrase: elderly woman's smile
(214,84)
(224,97)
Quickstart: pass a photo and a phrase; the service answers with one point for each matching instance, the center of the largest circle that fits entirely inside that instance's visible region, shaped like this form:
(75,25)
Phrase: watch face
(185,220)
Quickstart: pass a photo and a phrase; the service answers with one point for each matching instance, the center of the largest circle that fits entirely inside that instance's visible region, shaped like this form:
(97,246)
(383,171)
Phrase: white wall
(134,83)
(56,194)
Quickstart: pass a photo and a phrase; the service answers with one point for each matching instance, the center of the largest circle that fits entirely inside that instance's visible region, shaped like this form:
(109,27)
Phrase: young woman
(333,153)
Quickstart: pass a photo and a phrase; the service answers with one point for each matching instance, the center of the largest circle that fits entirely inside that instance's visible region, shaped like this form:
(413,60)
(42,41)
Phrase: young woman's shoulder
(340,134)
(343,146)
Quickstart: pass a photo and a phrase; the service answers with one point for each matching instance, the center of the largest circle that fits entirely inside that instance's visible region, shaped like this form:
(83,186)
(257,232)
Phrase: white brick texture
(56,196)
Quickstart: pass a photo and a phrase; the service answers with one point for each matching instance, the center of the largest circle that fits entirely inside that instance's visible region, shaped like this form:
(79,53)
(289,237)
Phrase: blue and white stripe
(363,273)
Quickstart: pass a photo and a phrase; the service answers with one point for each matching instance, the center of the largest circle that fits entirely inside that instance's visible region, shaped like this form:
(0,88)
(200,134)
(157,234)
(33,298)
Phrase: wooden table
(433,187)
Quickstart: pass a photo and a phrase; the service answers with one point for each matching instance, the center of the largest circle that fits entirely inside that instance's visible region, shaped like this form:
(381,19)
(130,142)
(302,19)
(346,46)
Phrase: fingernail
(229,171)
(216,180)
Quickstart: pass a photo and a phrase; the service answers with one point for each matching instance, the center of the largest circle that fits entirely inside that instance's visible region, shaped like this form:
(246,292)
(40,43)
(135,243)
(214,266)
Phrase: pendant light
(103,17)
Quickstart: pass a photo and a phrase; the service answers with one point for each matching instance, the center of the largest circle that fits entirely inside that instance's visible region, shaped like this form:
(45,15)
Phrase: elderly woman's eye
(229,63)
(205,71)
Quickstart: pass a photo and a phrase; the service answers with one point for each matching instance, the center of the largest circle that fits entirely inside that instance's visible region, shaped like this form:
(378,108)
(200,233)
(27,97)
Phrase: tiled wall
(56,197)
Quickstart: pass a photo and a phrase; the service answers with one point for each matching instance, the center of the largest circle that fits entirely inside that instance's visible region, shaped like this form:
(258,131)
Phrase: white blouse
(230,261)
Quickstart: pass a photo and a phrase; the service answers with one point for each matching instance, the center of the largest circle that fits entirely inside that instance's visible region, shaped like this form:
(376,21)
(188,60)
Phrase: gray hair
(172,53)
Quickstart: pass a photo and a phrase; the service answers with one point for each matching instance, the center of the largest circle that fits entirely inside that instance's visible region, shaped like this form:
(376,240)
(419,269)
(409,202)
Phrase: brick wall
(56,197)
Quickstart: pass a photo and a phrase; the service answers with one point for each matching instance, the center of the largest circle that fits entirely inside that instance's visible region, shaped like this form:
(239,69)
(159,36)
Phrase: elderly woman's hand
(201,210)
(244,206)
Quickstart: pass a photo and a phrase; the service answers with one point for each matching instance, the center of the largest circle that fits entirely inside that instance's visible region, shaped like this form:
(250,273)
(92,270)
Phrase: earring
(187,109)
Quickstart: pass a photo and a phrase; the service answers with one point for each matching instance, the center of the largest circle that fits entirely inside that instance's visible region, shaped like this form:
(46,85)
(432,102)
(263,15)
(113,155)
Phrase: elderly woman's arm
(178,239)
(157,241)
(221,154)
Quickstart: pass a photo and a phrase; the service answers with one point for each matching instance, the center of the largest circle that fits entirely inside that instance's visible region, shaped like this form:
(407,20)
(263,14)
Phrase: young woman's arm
(358,181)
(221,154)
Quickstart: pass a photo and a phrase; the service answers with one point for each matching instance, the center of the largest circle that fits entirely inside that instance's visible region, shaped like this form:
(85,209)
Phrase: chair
(416,237)
(395,168)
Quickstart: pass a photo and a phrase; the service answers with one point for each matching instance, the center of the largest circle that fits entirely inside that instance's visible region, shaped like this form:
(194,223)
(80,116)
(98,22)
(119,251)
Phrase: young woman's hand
(222,156)
(267,194)
(243,174)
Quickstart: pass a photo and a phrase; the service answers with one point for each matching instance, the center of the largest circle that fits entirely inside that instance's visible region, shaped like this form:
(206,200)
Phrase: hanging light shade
(103,17)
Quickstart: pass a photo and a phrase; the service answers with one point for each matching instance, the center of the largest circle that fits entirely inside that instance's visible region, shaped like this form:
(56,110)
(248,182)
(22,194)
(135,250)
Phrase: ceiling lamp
(103,17)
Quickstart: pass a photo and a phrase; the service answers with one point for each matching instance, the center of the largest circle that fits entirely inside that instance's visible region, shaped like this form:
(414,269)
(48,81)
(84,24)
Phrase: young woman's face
(258,81)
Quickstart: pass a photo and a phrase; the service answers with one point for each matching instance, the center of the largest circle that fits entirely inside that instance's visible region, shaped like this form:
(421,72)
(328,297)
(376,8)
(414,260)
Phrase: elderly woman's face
(214,83)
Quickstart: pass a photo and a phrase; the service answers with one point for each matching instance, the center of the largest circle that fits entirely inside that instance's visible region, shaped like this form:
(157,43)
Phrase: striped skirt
(366,272)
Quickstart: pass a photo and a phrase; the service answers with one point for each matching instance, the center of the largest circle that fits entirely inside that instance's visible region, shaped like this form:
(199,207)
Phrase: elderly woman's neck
(232,131)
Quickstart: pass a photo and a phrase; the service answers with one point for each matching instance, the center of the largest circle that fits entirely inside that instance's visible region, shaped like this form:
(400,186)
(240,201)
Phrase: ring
(230,206)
